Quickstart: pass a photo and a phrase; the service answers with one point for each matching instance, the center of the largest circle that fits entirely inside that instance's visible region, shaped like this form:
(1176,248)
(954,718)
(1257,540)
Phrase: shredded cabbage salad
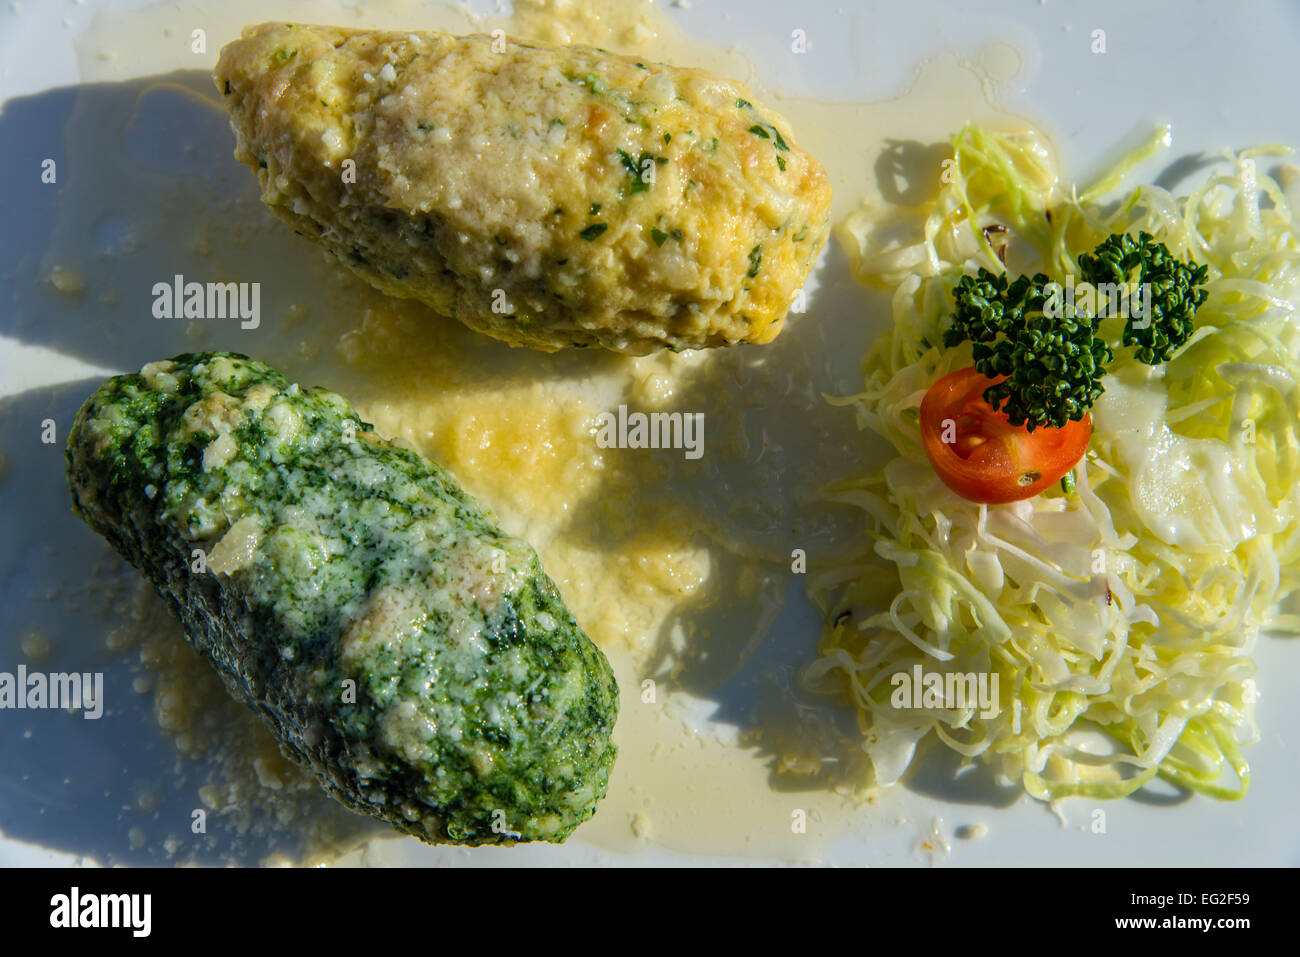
(1125,613)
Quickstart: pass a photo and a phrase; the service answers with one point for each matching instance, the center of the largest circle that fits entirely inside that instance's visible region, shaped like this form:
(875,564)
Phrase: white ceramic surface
(1224,74)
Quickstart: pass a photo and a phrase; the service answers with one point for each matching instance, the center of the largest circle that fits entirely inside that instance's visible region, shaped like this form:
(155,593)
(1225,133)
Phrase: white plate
(1223,74)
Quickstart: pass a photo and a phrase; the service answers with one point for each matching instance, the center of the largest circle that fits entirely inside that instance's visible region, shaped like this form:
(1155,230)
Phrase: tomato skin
(986,459)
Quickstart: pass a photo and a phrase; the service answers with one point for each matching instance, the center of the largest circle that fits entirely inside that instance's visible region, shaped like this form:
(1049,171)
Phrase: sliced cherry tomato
(983,457)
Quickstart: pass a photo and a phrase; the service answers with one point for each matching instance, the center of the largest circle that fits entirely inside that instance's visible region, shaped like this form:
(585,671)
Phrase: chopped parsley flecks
(769,132)
(592,81)
(594,230)
(637,169)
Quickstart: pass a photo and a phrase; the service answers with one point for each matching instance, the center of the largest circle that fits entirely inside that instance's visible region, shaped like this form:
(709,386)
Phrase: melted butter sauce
(678,569)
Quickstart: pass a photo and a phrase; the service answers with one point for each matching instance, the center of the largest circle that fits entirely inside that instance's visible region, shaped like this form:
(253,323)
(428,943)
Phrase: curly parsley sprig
(1054,359)
(1175,292)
